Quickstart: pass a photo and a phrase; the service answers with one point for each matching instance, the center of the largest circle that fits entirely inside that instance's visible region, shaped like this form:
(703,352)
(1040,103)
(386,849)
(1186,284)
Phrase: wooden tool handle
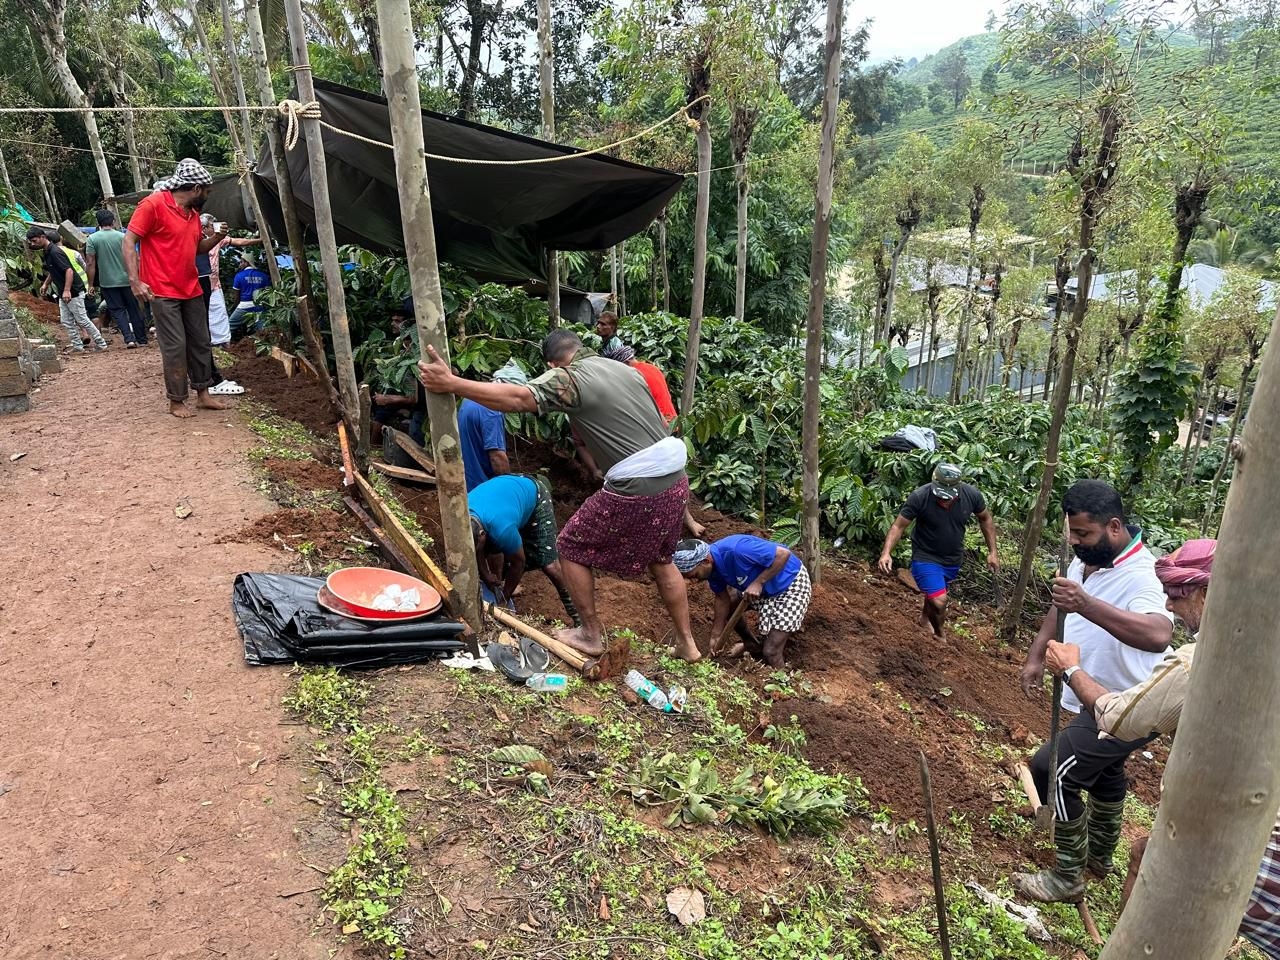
(1029,786)
(575,658)
(734,617)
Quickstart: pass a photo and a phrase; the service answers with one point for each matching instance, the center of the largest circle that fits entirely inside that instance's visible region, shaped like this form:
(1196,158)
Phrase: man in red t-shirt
(656,381)
(165,231)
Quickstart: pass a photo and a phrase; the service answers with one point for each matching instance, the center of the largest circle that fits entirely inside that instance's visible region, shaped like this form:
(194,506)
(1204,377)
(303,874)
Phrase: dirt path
(147,802)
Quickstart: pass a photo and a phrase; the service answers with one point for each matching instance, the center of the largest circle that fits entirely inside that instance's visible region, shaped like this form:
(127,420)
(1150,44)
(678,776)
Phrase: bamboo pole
(400,82)
(348,388)
(547,90)
(288,211)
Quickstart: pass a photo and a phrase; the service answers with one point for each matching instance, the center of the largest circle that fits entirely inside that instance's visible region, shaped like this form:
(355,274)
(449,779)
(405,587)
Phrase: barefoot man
(940,510)
(634,522)
(165,230)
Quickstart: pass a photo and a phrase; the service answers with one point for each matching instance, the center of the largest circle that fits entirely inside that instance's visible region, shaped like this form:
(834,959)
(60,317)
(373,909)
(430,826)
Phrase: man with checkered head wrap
(160,248)
(767,575)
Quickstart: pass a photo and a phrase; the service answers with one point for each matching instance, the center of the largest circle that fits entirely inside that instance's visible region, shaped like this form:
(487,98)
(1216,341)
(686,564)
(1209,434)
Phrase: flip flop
(509,662)
(534,655)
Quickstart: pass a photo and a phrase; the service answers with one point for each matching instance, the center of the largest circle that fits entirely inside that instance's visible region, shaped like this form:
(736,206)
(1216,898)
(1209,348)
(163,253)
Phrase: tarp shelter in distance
(495,222)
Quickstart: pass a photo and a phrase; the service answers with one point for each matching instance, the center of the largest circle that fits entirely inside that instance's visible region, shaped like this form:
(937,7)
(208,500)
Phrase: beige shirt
(1153,706)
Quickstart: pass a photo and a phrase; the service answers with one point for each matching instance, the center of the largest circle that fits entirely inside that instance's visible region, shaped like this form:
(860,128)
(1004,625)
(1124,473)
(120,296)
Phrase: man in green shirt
(635,521)
(107,272)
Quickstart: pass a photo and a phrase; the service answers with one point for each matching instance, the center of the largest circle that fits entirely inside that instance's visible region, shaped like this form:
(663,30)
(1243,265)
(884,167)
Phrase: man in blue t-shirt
(483,433)
(513,523)
(245,289)
(767,575)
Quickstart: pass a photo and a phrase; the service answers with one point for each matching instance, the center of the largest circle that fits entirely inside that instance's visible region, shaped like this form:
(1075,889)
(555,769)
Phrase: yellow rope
(294,112)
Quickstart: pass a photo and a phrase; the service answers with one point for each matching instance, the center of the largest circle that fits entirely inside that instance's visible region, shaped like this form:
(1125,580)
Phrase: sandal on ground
(227,388)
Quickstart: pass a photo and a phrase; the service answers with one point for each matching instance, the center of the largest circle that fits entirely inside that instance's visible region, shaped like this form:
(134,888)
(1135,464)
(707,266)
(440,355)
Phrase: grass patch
(31,327)
(407,519)
(278,437)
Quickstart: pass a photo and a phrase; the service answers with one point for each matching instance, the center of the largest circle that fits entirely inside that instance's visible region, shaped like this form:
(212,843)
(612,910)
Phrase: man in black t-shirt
(66,279)
(940,510)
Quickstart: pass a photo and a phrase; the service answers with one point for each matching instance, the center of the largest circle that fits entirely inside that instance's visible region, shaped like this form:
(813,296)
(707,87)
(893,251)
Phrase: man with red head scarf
(1154,707)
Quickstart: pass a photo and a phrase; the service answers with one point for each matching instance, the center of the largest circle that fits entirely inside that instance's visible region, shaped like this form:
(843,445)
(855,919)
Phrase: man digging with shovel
(1116,616)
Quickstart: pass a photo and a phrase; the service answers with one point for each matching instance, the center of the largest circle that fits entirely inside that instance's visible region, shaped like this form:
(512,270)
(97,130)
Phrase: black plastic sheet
(280,621)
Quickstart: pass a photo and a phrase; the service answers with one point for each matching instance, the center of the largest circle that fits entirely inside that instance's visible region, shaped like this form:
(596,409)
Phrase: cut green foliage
(325,698)
(801,801)
(407,520)
(279,437)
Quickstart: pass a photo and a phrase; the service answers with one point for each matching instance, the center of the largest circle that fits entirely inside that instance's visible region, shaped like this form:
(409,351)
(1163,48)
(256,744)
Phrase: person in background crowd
(940,511)
(483,433)
(769,576)
(220,331)
(386,407)
(107,273)
(607,329)
(248,281)
(1116,616)
(160,250)
(63,275)
(634,522)
(513,523)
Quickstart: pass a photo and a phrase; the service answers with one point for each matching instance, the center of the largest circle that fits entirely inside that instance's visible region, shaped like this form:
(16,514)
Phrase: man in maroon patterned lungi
(634,522)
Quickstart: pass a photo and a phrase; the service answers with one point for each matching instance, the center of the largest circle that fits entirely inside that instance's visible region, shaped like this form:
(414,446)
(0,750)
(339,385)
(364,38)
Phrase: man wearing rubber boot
(1116,615)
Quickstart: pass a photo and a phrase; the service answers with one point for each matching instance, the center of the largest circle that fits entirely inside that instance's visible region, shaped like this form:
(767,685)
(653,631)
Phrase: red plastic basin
(357,586)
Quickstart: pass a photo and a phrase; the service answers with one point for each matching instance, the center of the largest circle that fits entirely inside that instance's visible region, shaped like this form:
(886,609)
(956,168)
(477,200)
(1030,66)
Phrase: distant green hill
(1159,73)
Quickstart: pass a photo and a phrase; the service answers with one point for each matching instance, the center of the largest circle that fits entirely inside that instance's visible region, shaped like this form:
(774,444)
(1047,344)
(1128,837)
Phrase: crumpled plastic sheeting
(280,621)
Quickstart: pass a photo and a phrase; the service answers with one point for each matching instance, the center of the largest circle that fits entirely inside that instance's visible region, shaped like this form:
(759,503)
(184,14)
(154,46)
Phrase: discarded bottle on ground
(548,682)
(648,691)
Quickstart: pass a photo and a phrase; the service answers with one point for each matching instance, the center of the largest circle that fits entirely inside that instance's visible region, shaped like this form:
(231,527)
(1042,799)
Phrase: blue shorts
(932,578)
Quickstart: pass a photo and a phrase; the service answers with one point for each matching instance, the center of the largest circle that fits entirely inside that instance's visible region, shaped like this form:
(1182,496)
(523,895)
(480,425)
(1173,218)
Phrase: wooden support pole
(413,449)
(407,474)
(288,210)
(385,543)
(348,387)
(400,83)
(423,566)
(547,91)
(364,439)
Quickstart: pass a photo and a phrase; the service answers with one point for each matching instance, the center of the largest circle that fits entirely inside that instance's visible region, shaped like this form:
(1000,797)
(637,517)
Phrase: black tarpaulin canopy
(496,222)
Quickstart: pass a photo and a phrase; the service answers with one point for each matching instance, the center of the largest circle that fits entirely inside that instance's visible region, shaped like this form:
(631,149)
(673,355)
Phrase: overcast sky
(913,28)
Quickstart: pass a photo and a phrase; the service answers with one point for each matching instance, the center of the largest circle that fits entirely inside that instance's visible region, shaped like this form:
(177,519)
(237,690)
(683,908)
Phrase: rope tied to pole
(294,113)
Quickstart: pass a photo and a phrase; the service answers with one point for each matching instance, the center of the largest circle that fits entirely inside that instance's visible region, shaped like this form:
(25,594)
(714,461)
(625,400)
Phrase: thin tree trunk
(10,197)
(977,199)
(740,251)
(116,82)
(547,100)
(48,197)
(810,543)
(702,212)
(1226,454)
(237,80)
(307,319)
(613,278)
(662,260)
(620,253)
(49,20)
(1183,466)
(1058,415)
(889,294)
(348,387)
(400,81)
(1218,807)
(471,72)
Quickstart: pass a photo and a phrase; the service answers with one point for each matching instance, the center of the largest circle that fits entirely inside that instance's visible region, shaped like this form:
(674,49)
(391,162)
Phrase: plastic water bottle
(648,691)
(548,682)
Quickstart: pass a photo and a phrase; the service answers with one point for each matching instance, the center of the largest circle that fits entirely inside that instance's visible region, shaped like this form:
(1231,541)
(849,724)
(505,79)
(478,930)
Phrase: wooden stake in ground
(400,82)
(1055,708)
(935,857)
(1222,781)
(547,91)
(348,388)
(809,544)
(288,212)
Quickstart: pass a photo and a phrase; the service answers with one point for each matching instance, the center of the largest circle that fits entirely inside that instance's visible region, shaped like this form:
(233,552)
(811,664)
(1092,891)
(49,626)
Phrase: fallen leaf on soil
(14,458)
(603,912)
(350,927)
(63,923)
(687,905)
(526,928)
(543,767)
(532,921)
(182,511)
(517,753)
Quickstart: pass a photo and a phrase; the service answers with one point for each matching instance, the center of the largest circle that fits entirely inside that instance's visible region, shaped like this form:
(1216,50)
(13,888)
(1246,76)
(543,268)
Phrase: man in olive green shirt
(635,521)
(106,271)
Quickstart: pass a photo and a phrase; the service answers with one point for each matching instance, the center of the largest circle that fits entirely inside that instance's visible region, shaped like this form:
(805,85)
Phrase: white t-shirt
(1130,584)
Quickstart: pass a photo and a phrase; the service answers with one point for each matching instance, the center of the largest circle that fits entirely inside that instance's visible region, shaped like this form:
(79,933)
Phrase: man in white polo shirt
(1116,615)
